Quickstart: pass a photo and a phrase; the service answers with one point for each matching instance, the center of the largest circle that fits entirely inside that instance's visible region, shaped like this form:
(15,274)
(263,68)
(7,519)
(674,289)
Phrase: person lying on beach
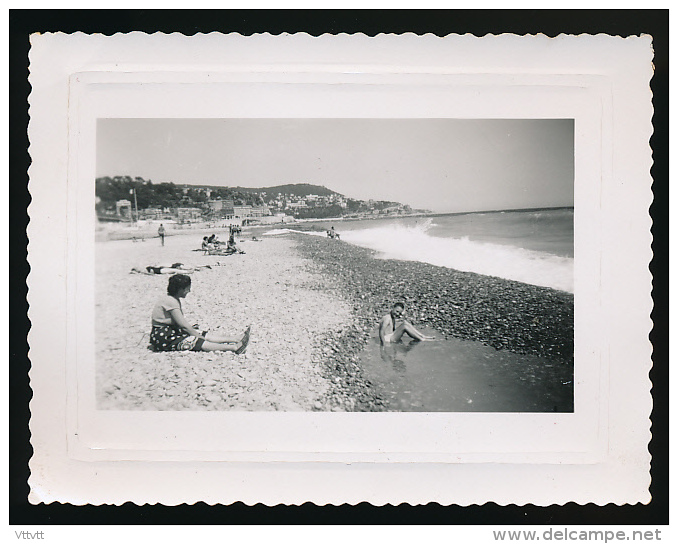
(172,332)
(392,327)
(210,248)
(216,250)
(171,269)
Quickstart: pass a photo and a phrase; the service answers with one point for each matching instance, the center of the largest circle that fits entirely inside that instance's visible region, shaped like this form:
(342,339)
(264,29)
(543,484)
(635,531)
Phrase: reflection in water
(459,375)
(395,353)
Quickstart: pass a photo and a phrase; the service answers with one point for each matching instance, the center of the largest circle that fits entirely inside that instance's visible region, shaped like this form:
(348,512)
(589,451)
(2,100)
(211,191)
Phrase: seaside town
(234,311)
(123,199)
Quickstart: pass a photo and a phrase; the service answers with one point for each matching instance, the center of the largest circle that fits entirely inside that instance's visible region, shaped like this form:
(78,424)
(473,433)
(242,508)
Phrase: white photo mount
(597,454)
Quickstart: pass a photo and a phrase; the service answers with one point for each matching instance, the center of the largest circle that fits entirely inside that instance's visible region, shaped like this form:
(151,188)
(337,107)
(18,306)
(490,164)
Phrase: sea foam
(413,243)
(275,232)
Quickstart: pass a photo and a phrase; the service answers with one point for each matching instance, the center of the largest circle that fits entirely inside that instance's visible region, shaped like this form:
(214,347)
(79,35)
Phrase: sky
(443,165)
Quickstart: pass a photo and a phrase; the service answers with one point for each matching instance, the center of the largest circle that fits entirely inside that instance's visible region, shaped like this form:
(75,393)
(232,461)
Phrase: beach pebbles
(500,313)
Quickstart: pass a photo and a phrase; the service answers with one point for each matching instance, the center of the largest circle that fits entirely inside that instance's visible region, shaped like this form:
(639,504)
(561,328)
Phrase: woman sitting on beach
(232,247)
(214,240)
(172,332)
(212,248)
(223,251)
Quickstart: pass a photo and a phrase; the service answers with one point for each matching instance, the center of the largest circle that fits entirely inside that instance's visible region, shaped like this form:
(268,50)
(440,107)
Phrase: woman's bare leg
(212,346)
(219,338)
(407,327)
(238,347)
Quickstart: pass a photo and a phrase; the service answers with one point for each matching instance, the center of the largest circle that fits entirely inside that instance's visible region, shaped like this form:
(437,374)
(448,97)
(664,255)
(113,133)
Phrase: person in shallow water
(392,326)
(172,332)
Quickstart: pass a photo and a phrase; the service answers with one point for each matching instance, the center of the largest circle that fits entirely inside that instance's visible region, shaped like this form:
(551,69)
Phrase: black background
(371,22)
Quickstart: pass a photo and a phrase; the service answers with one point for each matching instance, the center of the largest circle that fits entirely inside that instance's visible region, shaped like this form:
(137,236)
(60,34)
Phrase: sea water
(535,247)
(454,375)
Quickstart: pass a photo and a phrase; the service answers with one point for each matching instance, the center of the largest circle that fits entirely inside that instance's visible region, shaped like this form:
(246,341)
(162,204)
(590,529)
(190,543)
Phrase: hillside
(292,199)
(298,189)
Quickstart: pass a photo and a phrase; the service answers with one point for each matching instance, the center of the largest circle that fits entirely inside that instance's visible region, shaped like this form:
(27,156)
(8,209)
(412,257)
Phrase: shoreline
(501,313)
(314,304)
(149,231)
(504,314)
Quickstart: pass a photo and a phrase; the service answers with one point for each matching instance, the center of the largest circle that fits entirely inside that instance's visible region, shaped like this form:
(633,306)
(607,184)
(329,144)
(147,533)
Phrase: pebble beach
(313,303)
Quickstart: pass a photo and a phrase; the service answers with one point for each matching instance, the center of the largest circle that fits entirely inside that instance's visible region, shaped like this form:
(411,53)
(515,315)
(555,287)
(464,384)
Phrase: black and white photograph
(358,265)
(340,269)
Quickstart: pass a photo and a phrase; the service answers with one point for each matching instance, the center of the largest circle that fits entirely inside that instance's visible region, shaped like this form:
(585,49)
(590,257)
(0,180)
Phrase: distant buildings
(123,209)
(188,215)
(218,205)
(193,204)
(152,214)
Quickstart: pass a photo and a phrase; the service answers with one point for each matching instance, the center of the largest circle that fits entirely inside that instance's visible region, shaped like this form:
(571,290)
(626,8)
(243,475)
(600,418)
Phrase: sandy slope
(270,287)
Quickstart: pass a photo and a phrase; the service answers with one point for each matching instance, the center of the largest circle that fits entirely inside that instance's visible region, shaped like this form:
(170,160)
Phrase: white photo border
(602,91)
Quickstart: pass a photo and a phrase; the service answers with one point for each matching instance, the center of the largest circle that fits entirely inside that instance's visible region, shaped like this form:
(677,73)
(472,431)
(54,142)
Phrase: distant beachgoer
(168,269)
(231,246)
(215,249)
(220,251)
(161,233)
(392,326)
(172,332)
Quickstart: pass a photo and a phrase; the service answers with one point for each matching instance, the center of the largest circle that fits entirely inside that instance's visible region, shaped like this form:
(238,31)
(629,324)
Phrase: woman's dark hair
(176,283)
(399,304)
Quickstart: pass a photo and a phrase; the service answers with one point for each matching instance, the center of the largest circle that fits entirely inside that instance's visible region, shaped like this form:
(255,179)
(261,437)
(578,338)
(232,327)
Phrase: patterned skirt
(172,338)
